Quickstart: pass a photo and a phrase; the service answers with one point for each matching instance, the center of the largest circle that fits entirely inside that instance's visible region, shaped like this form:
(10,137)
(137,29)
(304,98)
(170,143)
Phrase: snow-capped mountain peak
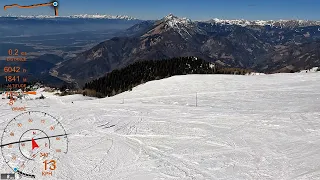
(184,26)
(174,21)
(170,16)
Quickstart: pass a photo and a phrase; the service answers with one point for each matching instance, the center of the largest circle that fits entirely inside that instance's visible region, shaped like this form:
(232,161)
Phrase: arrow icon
(34,144)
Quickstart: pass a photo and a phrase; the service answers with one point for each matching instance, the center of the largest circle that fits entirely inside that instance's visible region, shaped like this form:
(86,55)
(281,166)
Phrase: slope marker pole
(196,99)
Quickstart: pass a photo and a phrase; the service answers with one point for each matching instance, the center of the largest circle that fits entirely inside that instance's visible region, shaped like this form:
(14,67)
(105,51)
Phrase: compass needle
(34,144)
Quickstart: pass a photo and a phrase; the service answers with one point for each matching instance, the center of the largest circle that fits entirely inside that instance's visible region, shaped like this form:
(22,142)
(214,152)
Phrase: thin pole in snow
(196,99)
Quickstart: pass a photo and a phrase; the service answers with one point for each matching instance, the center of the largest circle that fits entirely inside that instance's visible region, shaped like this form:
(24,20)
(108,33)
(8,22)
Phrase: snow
(184,26)
(181,25)
(244,127)
(243,22)
(312,70)
(255,73)
(78,16)
(174,21)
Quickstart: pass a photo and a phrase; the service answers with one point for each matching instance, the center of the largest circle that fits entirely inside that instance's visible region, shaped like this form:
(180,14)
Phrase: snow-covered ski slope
(244,127)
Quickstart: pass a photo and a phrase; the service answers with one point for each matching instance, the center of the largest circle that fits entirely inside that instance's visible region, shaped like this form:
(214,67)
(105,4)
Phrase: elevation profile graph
(53,4)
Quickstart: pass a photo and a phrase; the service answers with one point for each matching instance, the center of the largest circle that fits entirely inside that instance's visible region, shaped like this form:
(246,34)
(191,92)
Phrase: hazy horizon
(152,10)
(15,15)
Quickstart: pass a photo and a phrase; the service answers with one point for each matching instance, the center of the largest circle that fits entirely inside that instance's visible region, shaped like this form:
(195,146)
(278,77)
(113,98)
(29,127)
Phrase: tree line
(140,72)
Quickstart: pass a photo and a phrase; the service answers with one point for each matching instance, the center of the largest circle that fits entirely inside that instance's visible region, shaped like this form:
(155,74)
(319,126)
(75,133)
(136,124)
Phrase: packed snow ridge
(84,16)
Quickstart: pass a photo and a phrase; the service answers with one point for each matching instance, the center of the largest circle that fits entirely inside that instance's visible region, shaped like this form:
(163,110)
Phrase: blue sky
(196,9)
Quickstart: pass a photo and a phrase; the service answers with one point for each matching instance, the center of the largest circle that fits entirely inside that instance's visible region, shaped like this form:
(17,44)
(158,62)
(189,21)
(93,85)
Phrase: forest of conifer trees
(140,72)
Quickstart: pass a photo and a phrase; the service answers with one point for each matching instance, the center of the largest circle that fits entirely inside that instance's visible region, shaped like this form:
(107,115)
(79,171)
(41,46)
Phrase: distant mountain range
(275,23)
(270,46)
(241,22)
(83,16)
(264,46)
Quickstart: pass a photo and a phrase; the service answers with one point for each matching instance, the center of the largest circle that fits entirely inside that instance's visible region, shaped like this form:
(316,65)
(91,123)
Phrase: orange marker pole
(55,11)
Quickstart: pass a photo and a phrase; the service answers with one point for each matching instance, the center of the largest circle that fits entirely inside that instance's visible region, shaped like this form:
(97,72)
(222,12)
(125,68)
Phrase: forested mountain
(266,46)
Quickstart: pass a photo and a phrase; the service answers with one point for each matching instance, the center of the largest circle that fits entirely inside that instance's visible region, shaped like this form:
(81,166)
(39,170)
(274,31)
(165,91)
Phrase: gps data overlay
(32,144)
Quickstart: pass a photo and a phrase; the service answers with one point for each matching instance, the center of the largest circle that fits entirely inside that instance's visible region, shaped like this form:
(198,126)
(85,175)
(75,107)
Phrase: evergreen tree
(125,79)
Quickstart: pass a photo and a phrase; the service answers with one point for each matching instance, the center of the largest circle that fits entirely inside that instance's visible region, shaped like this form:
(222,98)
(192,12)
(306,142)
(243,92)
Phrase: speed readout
(33,143)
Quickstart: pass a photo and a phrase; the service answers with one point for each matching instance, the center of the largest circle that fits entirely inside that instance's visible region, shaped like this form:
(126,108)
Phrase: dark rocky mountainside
(293,57)
(267,47)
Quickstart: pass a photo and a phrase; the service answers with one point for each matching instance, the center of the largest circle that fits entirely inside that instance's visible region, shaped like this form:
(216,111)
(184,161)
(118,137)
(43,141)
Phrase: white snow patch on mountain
(184,26)
(312,70)
(174,21)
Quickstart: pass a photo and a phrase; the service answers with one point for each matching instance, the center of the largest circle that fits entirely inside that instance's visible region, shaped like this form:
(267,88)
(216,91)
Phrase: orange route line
(32,6)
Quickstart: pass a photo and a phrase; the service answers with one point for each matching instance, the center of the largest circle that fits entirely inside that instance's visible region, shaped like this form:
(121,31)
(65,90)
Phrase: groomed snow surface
(244,127)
